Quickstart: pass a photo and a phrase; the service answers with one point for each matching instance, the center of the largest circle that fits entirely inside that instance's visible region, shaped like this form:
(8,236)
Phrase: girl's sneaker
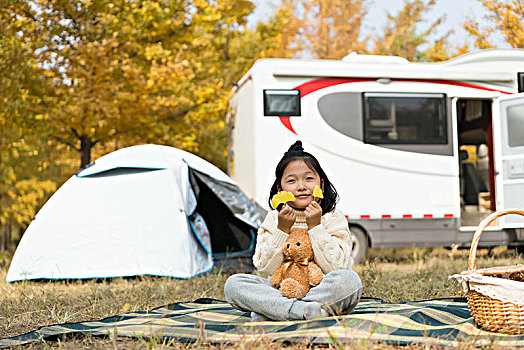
(314,310)
(258,317)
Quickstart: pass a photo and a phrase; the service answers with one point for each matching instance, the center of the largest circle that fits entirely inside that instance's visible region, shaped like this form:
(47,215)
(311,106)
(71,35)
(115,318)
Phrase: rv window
(405,118)
(343,112)
(282,103)
(516,126)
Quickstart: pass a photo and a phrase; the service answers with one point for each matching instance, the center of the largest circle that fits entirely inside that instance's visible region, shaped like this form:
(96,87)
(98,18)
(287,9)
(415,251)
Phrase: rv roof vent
(354,57)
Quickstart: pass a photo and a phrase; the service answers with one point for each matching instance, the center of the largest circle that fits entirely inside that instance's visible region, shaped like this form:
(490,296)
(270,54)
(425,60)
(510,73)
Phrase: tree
(323,28)
(217,61)
(289,27)
(119,71)
(22,90)
(403,37)
(506,18)
(335,28)
(94,76)
(149,71)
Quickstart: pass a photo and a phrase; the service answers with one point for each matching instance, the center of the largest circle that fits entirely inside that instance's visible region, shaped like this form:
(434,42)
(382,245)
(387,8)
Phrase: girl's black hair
(296,152)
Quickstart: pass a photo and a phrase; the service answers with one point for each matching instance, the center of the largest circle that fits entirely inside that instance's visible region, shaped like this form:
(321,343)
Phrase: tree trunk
(1,169)
(21,231)
(2,238)
(9,237)
(86,144)
(85,151)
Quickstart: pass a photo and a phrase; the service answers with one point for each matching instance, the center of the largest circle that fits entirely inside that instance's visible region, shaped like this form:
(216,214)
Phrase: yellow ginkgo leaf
(317,192)
(282,197)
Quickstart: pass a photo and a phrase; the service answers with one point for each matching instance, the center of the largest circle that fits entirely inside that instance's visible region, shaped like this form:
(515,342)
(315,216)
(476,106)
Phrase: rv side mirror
(282,103)
(520,81)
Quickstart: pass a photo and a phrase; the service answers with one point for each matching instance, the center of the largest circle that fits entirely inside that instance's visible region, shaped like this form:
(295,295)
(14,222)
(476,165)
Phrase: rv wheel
(359,251)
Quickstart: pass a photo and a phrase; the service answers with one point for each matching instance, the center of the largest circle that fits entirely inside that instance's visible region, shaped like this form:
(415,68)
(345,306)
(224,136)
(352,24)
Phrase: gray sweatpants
(338,293)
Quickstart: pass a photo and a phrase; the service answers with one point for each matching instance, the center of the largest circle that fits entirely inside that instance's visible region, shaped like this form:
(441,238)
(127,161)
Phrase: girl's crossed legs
(338,293)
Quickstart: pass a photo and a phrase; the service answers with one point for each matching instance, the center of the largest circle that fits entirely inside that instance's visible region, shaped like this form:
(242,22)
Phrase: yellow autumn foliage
(282,197)
(505,18)
(24,179)
(321,28)
(79,79)
(91,77)
(402,34)
(317,192)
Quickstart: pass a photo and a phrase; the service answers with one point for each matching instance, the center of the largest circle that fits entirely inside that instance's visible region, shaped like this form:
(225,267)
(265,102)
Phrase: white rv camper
(418,152)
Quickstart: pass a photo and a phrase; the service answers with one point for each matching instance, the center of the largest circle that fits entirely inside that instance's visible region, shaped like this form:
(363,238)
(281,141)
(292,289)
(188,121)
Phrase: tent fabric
(152,157)
(127,215)
(229,195)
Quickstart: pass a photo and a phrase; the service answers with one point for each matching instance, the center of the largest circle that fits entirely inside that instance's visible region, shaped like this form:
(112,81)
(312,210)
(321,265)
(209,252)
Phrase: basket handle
(472,262)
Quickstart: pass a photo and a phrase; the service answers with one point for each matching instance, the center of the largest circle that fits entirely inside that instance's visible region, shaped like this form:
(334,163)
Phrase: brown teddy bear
(298,273)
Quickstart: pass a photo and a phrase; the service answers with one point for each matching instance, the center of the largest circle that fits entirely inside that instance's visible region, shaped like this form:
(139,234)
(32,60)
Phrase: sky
(456,11)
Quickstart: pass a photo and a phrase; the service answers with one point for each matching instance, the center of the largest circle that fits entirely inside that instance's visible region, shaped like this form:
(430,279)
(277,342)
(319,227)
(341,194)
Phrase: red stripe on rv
(314,85)
(318,84)
(287,124)
(404,216)
(448,82)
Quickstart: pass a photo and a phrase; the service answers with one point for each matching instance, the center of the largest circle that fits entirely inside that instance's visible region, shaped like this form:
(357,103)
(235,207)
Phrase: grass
(394,275)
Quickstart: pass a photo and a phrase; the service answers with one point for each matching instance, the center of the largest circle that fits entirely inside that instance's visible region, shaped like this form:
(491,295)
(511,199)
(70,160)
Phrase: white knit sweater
(331,242)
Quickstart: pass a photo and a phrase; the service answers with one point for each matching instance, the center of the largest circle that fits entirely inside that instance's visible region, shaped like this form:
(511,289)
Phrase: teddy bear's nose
(298,244)
(288,245)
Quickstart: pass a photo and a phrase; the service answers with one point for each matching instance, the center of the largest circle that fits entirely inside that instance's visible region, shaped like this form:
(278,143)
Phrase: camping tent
(142,210)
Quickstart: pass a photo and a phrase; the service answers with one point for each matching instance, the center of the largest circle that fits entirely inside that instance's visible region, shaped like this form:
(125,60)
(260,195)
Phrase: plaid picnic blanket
(441,322)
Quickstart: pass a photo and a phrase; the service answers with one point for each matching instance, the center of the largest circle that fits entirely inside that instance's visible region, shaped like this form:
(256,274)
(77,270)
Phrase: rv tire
(359,250)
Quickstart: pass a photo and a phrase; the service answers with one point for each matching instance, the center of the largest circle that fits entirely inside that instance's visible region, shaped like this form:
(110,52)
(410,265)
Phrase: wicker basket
(490,313)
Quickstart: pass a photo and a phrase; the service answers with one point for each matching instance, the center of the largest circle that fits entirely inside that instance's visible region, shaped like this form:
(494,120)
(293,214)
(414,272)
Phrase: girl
(298,172)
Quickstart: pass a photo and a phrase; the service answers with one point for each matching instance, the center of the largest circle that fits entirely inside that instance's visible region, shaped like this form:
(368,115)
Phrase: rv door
(508,132)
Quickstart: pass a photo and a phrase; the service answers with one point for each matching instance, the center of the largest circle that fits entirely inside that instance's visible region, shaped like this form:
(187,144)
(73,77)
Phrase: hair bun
(296,147)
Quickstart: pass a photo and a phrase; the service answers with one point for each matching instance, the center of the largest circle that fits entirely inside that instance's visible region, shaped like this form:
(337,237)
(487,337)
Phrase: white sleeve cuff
(279,238)
(317,232)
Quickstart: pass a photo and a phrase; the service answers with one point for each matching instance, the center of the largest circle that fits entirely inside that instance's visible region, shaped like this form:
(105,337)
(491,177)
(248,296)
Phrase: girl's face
(300,180)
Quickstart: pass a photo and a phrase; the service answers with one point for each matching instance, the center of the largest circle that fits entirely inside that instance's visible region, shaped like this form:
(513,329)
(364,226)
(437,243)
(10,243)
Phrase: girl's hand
(286,219)
(313,214)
